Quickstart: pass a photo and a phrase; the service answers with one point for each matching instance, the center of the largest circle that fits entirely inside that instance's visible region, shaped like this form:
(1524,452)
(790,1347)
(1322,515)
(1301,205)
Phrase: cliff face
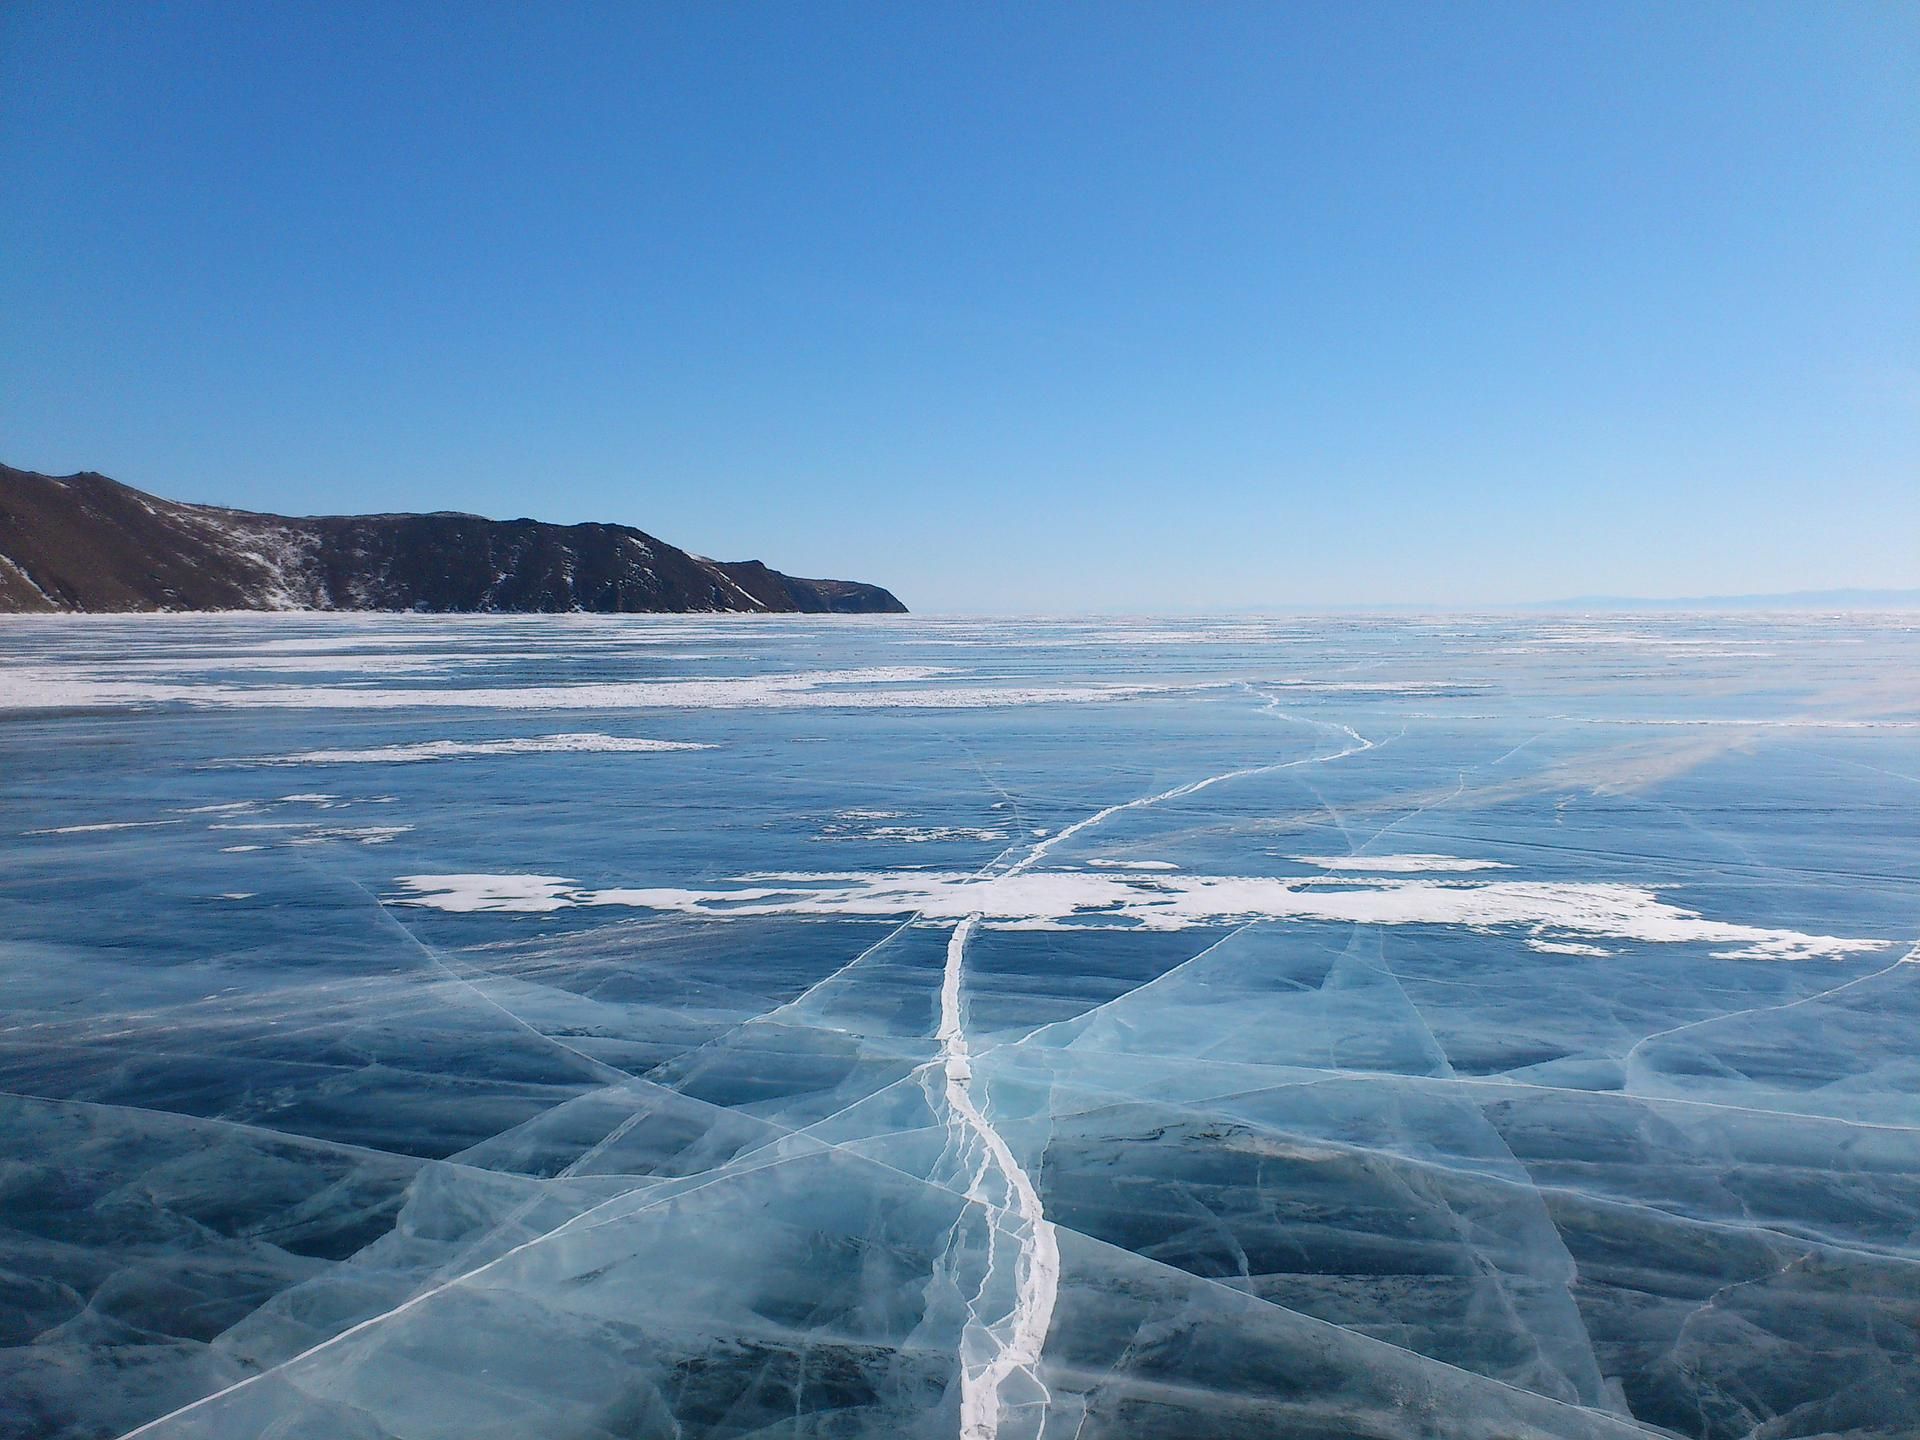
(84,542)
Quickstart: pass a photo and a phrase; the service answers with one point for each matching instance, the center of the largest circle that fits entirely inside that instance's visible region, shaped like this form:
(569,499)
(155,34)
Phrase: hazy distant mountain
(84,542)
(1787,600)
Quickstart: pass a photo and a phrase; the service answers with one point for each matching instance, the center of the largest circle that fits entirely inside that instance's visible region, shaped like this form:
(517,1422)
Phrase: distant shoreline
(86,544)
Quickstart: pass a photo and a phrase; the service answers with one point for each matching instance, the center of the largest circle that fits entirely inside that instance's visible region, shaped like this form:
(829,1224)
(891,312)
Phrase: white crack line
(1039,852)
(1037,1274)
(1037,1280)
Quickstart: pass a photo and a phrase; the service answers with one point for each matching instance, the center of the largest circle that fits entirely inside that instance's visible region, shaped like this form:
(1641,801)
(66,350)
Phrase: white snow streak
(1399,864)
(105,825)
(462,749)
(1061,900)
(903,687)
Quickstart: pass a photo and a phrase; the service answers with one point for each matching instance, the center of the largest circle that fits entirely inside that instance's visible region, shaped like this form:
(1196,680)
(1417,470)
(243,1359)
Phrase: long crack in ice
(1012,1346)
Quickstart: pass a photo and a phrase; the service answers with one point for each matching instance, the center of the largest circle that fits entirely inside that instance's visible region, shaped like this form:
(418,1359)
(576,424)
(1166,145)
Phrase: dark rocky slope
(84,542)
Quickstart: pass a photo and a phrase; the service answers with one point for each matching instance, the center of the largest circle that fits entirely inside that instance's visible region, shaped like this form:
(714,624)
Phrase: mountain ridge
(84,542)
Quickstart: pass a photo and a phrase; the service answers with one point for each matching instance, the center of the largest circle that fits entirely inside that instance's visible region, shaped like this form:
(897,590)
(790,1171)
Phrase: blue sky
(1047,307)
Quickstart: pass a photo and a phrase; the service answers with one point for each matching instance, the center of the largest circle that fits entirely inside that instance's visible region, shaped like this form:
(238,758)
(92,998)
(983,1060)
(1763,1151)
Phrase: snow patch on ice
(360,834)
(468,894)
(918,834)
(879,687)
(1566,947)
(1081,899)
(105,825)
(1399,864)
(582,743)
(911,834)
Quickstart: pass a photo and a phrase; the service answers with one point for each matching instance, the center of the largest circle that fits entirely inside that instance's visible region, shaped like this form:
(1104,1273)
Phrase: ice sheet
(1316,1027)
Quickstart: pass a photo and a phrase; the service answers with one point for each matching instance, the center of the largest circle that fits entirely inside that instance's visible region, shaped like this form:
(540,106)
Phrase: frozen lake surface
(683,1026)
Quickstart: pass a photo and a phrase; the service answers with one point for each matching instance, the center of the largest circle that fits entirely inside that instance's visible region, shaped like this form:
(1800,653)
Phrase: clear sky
(1047,306)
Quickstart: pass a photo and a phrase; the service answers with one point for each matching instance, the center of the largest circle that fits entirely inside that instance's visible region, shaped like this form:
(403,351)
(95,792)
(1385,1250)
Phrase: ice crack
(994,1353)
(1011,1347)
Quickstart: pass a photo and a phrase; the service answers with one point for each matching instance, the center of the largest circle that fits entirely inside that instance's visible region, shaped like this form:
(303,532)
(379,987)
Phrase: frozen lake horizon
(603,1026)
